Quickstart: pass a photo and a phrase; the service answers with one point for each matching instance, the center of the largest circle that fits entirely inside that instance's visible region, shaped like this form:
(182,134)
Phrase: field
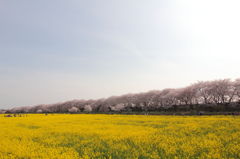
(119,136)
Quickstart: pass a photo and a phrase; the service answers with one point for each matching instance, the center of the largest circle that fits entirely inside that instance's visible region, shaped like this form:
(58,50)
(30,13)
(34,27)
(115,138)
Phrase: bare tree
(209,92)
(237,87)
(220,90)
(187,95)
(168,97)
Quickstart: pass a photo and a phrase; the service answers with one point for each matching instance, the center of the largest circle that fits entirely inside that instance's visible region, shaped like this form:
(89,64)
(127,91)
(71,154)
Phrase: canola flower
(73,136)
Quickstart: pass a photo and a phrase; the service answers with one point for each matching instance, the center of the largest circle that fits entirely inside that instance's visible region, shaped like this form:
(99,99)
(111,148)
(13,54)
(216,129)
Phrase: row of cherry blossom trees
(217,92)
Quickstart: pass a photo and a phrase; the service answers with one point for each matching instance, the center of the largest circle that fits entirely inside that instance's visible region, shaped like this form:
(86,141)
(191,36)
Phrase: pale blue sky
(52,51)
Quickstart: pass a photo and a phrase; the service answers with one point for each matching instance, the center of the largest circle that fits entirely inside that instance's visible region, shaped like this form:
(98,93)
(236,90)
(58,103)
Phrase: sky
(58,50)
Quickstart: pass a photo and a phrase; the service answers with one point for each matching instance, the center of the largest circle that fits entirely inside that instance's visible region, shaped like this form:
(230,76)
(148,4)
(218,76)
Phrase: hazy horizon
(54,51)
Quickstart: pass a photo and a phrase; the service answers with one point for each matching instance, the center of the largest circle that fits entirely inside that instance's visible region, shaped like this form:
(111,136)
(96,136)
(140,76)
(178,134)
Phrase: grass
(64,136)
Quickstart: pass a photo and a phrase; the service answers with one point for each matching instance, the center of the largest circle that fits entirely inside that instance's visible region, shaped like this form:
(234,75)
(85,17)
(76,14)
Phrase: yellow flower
(63,136)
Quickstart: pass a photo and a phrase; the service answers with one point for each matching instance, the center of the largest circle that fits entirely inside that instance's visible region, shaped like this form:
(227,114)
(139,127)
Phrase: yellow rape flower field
(63,136)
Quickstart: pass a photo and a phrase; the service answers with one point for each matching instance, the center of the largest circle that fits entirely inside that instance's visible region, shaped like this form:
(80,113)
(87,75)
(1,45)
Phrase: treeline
(217,95)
